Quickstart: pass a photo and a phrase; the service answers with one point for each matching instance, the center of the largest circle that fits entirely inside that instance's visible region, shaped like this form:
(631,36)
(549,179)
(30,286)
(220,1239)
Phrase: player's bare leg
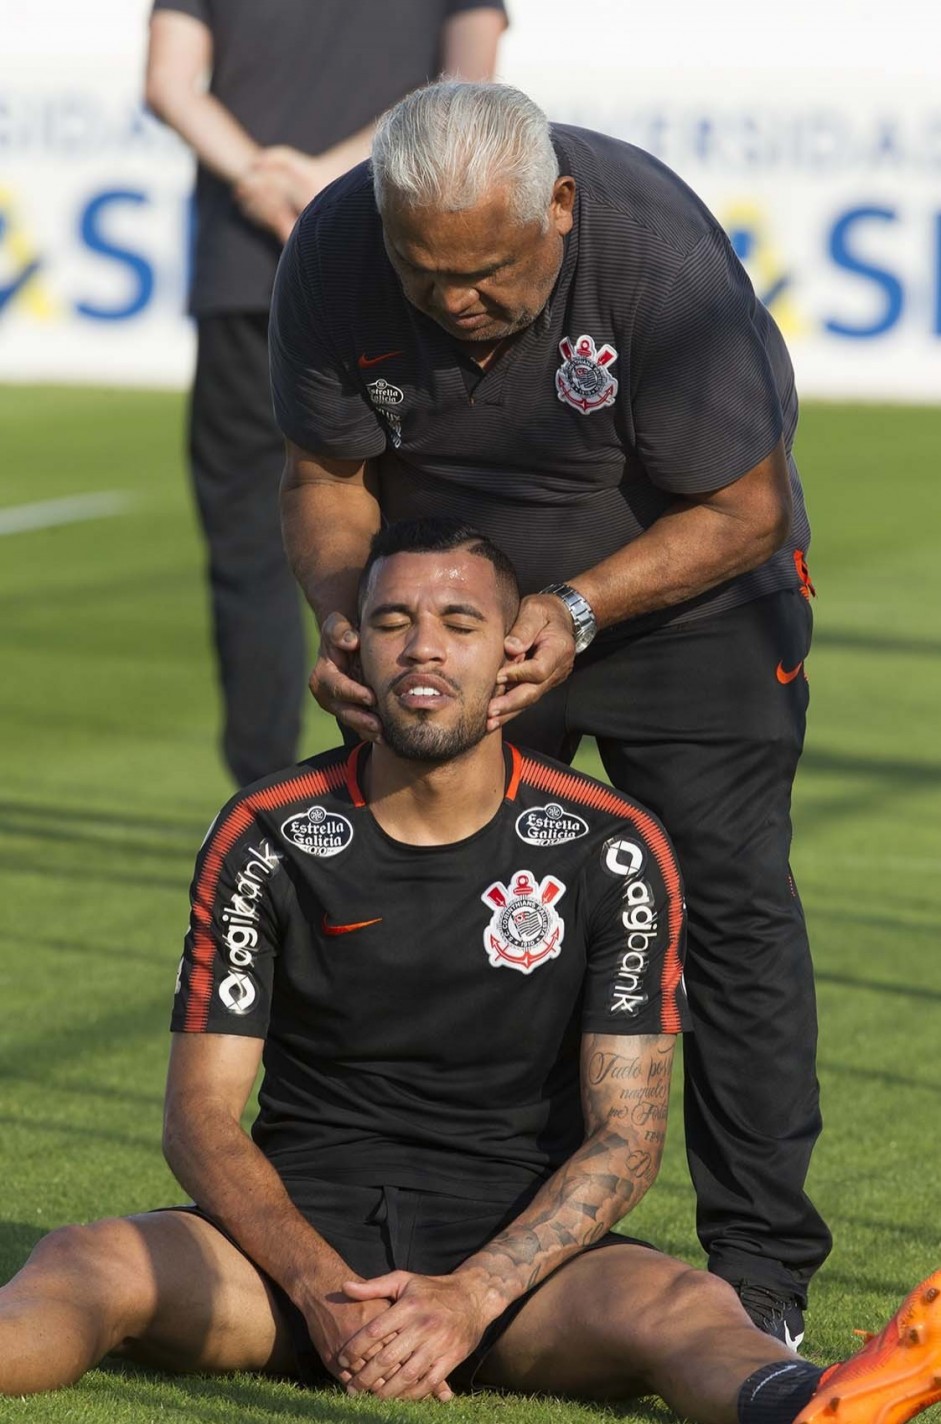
(165,1289)
(627,1321)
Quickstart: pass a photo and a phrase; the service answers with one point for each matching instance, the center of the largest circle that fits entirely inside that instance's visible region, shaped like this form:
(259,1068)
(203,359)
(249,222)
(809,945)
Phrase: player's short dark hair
(439,535)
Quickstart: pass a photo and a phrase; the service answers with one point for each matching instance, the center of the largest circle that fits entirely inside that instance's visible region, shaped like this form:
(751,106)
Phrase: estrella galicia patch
(318,831)
(550,825)
(384,394)
(525,929)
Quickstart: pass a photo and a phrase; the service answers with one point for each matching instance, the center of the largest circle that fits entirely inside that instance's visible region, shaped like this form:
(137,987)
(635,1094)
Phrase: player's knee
(679,1304)
(96,1264)
(696,1300)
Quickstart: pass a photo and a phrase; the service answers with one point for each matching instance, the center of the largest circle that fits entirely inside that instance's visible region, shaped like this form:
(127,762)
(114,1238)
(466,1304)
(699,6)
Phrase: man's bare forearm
(593,1190)
(693,546)
(327,528)
(215,136)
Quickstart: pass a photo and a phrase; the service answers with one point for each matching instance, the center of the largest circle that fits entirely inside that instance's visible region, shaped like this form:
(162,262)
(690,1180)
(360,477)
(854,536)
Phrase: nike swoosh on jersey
(787,677)
(348,929)
(366,361)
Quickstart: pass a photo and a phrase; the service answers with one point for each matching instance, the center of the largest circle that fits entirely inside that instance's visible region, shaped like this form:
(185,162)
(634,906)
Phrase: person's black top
(422,1006)
(308,73)
(653,371)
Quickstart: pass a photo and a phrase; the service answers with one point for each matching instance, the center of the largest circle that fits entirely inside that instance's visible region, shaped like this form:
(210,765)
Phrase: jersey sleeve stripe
(352,774)
(573,787)
(516,771)
(224,836)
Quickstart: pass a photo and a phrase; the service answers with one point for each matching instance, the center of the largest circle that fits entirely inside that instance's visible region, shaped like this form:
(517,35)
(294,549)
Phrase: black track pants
(695,722)
(237,455)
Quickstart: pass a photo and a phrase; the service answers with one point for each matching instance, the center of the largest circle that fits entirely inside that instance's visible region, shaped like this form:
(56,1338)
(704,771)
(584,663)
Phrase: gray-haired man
(545,333)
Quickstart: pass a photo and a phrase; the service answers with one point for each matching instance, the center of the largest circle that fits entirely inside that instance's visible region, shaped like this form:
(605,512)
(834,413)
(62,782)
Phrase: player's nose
(425,642)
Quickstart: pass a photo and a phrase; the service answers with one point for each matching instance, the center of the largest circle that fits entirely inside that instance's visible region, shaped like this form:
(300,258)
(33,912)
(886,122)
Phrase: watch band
(584,622)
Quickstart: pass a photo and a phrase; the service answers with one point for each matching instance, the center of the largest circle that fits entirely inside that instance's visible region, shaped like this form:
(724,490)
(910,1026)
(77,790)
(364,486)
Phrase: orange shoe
(896,1374)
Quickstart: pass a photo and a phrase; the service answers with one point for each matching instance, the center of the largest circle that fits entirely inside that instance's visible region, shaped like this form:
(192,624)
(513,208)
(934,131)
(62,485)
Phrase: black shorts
(380,1229)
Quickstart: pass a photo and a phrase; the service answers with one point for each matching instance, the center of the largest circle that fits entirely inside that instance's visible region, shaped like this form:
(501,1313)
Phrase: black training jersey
(654,371)
(422,1006)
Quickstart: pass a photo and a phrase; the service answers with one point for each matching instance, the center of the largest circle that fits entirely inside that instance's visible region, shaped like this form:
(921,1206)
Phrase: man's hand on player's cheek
(334,683)
(540,653)
(438,1323)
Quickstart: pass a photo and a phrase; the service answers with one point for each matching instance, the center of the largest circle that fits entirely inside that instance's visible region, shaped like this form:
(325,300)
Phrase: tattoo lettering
(606,1067)
(647,1111)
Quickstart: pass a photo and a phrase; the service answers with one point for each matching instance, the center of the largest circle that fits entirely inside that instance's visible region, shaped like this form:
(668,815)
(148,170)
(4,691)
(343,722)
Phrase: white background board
(813,132)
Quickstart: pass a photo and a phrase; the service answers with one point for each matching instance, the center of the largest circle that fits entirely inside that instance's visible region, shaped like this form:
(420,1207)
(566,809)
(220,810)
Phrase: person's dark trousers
(237,455)
(704,723)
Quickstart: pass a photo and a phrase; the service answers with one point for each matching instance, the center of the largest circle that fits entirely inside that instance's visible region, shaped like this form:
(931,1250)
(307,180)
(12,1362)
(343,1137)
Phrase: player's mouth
(423,692)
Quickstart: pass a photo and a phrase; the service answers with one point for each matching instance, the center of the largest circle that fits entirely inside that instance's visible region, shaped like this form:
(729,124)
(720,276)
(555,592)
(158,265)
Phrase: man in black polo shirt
(545,332)
(463,965)
(294,93)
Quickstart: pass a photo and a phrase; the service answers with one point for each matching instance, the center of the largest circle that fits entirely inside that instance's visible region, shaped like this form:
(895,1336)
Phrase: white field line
(19,518)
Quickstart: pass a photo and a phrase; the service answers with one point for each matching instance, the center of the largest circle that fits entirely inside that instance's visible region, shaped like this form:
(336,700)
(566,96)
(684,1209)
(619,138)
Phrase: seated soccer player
(462,968)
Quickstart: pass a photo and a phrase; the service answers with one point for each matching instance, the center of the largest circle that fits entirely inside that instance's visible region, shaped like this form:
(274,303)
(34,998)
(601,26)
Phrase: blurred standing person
(293,93)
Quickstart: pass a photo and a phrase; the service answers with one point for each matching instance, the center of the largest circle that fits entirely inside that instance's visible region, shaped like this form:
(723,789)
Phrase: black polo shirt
(653,371)
(308,73)
(423,1006)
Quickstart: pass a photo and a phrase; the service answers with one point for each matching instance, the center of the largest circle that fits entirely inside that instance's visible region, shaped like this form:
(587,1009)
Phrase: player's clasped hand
(437,1324)
(332,682)
(540,650)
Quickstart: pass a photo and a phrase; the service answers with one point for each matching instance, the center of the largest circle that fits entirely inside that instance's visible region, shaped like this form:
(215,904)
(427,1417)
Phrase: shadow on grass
(919,774)
(37,1056)
(32,811)
(22,865)
(877,1075)
(879,986)
(876,643)
(855,1282)
(17,1239)
(88,1089)
(85,1134)
(257,1398)
(261,1397)
(115,841)
(86,948)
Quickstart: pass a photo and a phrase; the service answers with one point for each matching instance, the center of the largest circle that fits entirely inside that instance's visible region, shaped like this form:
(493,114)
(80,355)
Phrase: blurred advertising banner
(820,155)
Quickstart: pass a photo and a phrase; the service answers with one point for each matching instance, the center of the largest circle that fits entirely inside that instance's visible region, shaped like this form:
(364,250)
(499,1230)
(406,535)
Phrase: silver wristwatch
(584,622)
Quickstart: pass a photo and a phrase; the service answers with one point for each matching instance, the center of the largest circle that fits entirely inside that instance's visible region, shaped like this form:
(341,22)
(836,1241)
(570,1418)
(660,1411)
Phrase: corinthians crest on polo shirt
(583,380)
(525,929)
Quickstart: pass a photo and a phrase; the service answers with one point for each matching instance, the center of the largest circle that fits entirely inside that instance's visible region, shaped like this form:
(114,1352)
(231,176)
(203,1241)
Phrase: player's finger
(369,1381)
(382,1365)
(355,1363)
(422,1376)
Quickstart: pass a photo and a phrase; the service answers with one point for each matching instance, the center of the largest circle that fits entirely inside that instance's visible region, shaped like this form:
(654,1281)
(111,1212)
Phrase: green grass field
(110,777)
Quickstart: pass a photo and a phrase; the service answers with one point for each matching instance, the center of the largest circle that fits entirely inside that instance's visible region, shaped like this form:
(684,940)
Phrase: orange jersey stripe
(311,783)
(573,787)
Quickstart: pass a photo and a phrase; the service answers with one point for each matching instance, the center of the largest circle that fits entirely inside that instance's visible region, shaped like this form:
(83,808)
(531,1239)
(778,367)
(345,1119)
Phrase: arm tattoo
(626,1086)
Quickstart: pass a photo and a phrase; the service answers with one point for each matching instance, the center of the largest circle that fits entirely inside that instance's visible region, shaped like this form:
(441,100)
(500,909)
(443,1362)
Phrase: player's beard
(417,736)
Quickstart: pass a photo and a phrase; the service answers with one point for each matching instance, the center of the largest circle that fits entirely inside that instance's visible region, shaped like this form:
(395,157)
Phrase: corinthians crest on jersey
(525,930)
(583,380)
